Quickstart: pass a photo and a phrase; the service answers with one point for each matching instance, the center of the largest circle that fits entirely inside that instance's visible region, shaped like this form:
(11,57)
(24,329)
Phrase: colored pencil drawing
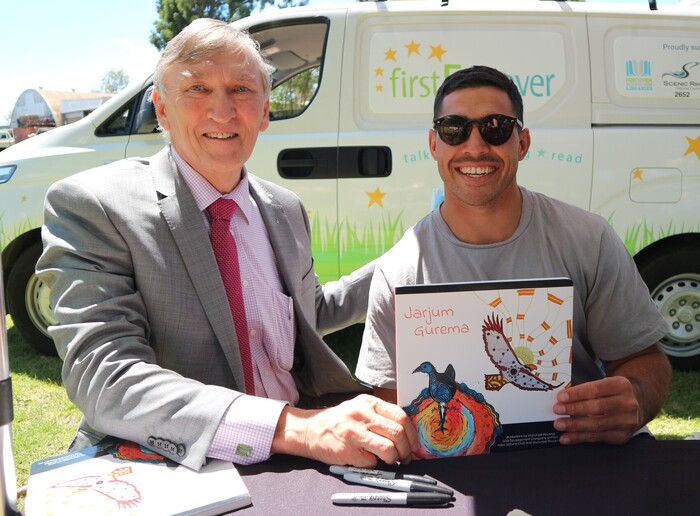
(115,489)
(451,418)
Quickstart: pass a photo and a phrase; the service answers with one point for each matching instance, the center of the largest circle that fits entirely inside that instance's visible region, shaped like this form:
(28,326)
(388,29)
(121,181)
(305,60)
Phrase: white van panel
(650,69)
(651,191)
(399,62)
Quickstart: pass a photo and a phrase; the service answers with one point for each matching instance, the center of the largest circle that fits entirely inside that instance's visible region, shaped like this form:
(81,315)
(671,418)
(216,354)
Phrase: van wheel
(28,302)
(673,278)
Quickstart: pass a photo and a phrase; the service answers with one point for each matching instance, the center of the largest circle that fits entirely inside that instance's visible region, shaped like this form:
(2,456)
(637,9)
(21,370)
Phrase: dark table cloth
(642,477)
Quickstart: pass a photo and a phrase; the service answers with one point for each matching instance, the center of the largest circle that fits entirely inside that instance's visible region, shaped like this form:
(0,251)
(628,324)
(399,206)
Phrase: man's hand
(602,411)
(611,410)
(357,432)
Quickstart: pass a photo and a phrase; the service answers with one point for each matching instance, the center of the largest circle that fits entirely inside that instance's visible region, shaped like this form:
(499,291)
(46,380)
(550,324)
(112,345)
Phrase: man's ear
(524,143)
(432,142)
(265,123)
(159,106)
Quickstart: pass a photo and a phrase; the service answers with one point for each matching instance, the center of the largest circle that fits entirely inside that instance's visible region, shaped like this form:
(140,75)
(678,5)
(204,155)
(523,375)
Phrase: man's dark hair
(475,77)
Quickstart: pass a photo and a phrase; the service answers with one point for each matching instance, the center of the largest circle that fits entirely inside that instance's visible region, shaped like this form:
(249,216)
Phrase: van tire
(28,301)
(673,278)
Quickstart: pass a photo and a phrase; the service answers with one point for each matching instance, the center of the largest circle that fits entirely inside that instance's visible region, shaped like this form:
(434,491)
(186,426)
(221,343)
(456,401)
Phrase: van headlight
(6,172)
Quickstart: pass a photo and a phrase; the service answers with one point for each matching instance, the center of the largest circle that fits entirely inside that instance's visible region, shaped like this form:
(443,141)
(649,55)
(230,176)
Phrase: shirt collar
(204,193)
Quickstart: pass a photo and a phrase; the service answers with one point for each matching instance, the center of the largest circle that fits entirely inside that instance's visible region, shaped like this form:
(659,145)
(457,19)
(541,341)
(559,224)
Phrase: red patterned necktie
(224,246)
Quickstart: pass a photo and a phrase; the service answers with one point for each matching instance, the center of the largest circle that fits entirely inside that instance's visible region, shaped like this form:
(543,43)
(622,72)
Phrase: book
(121,477)
(479,364)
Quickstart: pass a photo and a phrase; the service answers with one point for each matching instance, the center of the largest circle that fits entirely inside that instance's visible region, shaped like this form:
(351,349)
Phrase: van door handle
(334,162)
(364,161)
(314,163)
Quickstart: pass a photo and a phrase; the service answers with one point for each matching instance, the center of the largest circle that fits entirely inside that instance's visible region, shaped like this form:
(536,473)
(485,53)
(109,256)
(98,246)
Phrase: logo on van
(405,79)
(684,72)
(638,75)
(406,70)
(680,81)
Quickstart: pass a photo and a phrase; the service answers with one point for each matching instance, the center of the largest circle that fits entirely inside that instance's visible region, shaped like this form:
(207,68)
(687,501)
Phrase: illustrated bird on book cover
(512,369)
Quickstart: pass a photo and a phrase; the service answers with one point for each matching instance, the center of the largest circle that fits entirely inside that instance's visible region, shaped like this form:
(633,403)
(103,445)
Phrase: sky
(69,45)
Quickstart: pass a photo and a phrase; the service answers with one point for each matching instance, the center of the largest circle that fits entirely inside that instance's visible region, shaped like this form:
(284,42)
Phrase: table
(643,477)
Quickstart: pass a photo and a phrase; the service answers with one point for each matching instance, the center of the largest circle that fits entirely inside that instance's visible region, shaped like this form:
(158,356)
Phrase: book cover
(479,364)
(121,477)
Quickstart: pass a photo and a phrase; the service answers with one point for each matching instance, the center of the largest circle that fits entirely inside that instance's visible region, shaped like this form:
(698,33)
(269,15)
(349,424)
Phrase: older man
(200,348)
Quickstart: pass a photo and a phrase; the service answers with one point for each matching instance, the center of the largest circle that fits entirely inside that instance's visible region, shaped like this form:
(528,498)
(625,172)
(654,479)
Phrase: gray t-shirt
(613,312)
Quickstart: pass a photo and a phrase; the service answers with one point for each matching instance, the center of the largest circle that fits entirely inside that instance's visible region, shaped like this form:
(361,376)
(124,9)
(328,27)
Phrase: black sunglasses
(494,129)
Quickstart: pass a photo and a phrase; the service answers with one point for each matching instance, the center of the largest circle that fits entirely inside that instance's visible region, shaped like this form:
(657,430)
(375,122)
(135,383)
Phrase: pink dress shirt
(246,431)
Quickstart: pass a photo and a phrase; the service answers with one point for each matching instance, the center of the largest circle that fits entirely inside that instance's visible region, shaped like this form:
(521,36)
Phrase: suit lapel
(184,219)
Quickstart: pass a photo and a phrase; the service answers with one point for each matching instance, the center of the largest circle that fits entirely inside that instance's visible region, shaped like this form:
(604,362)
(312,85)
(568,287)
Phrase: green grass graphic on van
(340,249)
(639,236)
(25,227)
(19,230)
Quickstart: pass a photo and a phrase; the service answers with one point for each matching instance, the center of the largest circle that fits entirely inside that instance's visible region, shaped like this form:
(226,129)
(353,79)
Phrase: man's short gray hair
(205,37)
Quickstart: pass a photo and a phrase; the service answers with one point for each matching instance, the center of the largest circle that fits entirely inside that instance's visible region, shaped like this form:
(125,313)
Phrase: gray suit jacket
(144,328)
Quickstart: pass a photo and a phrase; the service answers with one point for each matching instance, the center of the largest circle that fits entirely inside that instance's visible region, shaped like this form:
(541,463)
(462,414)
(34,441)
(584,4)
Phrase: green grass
(680,416)
(45,420)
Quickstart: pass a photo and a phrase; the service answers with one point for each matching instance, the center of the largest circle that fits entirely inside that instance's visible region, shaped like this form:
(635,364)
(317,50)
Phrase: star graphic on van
(637,174)
(376,197)
(390,55)
(413,48)
(437,52)
(379,72)
(693,146)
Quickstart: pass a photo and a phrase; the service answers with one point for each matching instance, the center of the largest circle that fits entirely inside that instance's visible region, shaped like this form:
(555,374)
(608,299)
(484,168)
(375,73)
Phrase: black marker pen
(396,485)
(391,498)
(341,470)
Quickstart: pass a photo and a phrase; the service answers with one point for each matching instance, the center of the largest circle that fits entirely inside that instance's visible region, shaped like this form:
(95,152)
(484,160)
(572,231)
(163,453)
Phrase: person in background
(168,338)
(489,228)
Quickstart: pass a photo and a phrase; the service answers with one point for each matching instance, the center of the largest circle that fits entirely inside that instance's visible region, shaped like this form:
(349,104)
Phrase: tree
(292,96)
(114,80)
(175,15)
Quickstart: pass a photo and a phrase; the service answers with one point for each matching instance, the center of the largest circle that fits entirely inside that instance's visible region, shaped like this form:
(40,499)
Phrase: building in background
(38,110)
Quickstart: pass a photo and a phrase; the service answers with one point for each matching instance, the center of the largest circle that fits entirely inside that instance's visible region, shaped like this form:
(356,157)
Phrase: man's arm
(105,334)
(357,432)
(343,302)
(611,410)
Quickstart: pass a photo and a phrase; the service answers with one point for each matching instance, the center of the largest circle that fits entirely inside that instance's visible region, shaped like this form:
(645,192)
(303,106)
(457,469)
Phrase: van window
(140,109)
(290,98)
(295,53)
(119,123)
(146,121)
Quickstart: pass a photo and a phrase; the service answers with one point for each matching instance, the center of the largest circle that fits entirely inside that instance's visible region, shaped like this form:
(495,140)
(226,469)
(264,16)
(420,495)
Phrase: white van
(611,93)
